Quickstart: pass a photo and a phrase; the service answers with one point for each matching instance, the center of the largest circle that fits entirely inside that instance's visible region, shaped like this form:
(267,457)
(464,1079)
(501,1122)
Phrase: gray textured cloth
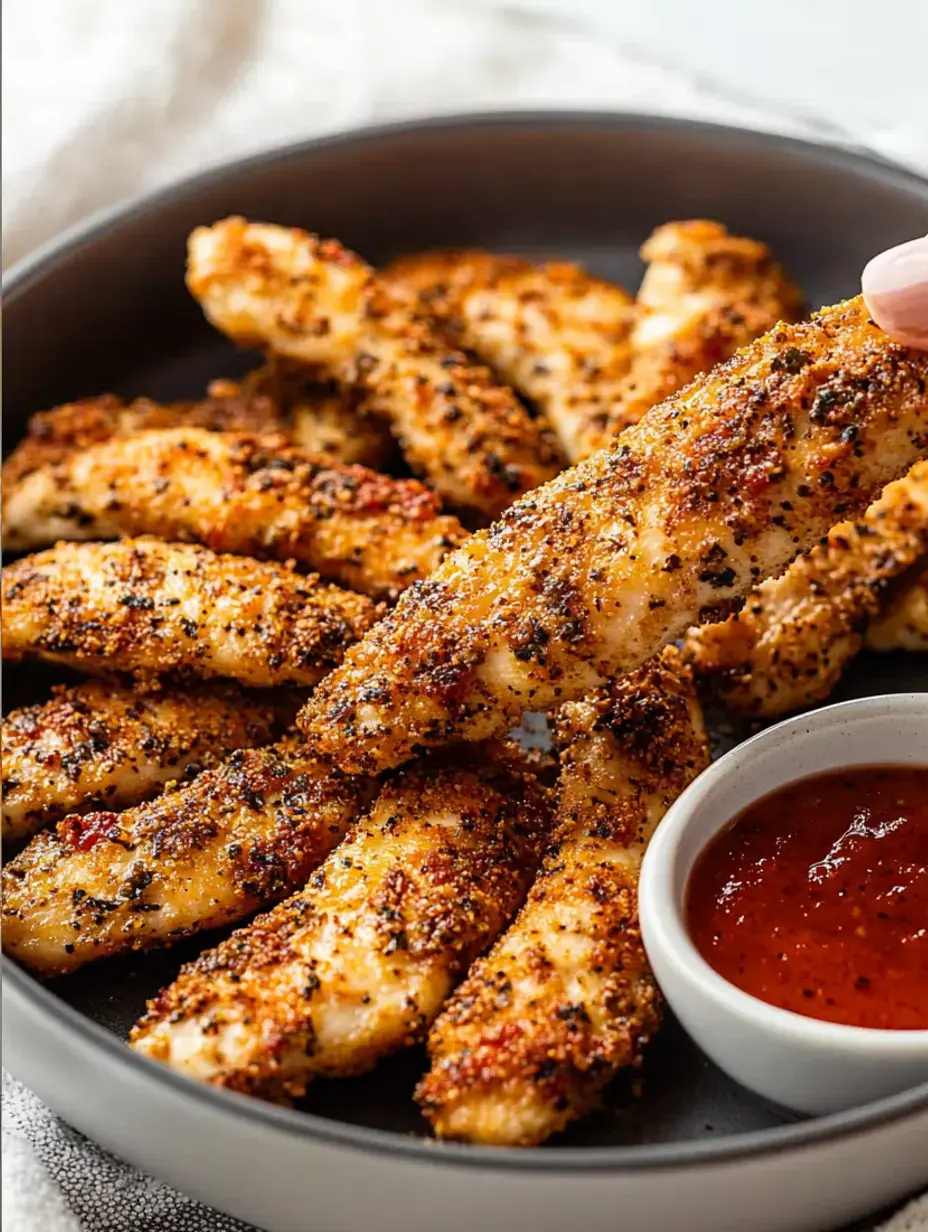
(56,1180)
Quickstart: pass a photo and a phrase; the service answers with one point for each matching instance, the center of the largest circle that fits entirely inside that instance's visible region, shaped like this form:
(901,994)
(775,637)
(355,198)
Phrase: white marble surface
(104,99)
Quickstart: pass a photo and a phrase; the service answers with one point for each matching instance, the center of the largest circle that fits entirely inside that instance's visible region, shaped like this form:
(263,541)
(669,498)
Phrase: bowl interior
(107,310)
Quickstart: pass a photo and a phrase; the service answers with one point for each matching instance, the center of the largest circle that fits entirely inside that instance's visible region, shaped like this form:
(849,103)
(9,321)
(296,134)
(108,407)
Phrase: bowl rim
(665,900)
(65,1021)
(16,279)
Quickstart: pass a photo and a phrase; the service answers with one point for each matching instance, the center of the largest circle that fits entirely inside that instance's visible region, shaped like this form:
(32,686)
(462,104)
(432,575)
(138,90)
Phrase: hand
(895,287)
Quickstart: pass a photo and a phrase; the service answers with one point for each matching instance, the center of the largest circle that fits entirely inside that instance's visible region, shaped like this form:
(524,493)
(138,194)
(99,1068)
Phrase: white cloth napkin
(104,99)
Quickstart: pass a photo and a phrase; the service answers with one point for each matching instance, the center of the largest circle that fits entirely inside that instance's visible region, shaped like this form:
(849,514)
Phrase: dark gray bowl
(105,308)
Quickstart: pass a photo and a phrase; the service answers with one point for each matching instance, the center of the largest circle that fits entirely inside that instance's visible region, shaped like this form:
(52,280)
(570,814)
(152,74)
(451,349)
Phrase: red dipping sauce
(815,899)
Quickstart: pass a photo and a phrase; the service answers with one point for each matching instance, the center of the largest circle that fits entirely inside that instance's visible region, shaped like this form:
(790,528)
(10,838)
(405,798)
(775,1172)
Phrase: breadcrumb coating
(358,963)
(565,999)
(714,490)
(151,609)
(102,744)
(314,301)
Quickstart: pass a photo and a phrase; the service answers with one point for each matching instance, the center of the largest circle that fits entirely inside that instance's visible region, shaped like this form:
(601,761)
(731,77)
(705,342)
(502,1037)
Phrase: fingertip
(895,290)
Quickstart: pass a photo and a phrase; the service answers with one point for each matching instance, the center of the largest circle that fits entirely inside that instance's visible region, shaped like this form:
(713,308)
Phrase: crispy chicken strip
(235,492)
(314,301)
(204,854)
(102,745)
(589,358)
(904,623)
(151,609)
(705,293)
(358,963)
(565,999)
(560,336)
(320,415)
(52,436)
(715,489)
(790,644)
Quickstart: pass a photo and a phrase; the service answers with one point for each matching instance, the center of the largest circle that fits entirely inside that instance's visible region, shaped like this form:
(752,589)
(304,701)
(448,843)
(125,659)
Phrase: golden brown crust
(53,435)
(204,854)
(904,622)
(591,359)
(715,489)
(705,293)
(358,963)
(318,415)
(152,609)
(790,644)
(560,336)
(566,998)
(103,745)
(314,301)
(235,492)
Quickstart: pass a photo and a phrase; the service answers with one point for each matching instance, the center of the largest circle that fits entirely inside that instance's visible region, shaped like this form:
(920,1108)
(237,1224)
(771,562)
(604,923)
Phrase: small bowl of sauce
(784,906)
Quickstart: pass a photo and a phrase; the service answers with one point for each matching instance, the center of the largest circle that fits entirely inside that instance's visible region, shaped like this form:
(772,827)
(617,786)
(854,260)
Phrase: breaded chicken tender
(204,854)
(560,336)
(103,745)
(566,998)
(313,301)
(588,356)
(705,293)
(714,490)
(319,415)
(234,492)
(904,623)
(150,609)
(358,963)
(52,436)
(797,633)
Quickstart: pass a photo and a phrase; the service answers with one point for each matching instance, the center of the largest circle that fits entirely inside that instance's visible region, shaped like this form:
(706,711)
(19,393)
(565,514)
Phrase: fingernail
(895,287)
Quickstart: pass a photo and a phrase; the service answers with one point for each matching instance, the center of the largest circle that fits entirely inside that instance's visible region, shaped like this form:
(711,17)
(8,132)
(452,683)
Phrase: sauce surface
(815,899)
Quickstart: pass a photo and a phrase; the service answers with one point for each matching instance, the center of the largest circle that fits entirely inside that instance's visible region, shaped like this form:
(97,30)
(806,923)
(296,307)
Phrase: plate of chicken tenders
(395,528)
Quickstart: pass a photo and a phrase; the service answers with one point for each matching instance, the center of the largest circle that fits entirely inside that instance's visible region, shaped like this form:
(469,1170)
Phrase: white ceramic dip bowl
(799,1062)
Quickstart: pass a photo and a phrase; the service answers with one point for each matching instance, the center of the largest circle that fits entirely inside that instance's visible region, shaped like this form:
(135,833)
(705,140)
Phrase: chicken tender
(358,963)
(560,336)
(152,609)
(904,623)
(591,359)
(715,489)
(102,745)
(52,436)
(204,854)
(318,415)
(705,293)
(565,999)
(796,634)
(235,492)
(313,301)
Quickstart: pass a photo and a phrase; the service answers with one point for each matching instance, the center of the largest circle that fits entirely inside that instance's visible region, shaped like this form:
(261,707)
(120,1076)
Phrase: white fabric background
(104,99)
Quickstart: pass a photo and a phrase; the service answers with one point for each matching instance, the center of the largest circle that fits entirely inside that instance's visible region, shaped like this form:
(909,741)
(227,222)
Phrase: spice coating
(566,997)
(558,335)
(717,488)
(319,415)
(236,492)
(358,963)
(152,609)
(904,623)
(101,745)
(591,359)
(52,436)
(204,854)
(794,637)
(312,300)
